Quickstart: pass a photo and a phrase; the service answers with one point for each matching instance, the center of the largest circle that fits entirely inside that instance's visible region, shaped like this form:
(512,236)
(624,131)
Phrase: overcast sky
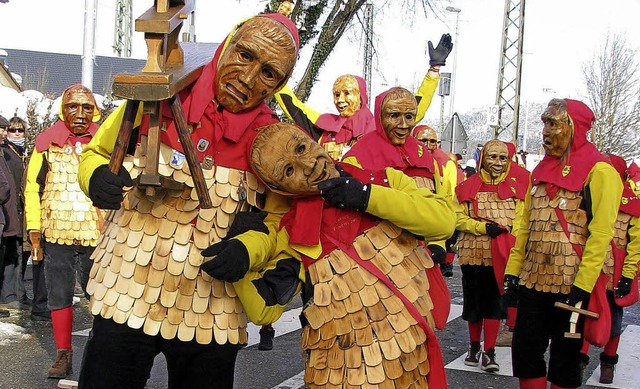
(560,35)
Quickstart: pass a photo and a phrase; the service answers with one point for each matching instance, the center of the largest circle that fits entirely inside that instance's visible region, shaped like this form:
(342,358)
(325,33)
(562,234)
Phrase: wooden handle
(124,136)
(580,311)
(190,153)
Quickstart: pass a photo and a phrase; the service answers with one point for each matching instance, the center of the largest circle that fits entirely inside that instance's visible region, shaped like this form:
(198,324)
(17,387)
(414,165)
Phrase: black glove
(230,262)
(277,286)
(247,221)
(346,193)
(494,230)
(438,56)
(106,189)
(576,295)
(624,287)
(510,284)
(438,254)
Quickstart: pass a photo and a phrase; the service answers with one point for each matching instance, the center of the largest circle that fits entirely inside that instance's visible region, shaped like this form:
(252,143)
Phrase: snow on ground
(11,333)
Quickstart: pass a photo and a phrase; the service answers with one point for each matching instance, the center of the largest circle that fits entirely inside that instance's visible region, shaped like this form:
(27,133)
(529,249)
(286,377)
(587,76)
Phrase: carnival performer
(62,224)
(490,203)
(367,304)
(621,265)
(567,224)
(521,175)
(337,133)
(151,290)
(392,145)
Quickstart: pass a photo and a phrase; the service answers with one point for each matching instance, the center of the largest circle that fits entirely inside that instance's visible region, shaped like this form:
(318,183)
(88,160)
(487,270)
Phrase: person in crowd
(621,265)
(338,133)
(490,203)
(176,302)
(392,145)
(567,225)
(62,224)
(366,291)
(5,195)
(12,148)
(521,175)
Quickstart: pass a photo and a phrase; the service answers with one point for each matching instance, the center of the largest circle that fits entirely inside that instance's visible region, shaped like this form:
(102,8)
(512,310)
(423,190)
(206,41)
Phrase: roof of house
(6,79)
(52,73)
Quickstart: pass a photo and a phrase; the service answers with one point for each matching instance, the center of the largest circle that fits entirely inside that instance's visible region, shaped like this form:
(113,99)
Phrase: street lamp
(454,76)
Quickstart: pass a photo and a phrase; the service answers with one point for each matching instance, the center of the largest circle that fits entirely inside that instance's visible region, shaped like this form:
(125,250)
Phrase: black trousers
(117,356)
(538,325)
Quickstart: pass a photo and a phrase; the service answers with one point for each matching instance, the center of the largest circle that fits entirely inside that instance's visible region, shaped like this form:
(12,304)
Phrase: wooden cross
(170,67)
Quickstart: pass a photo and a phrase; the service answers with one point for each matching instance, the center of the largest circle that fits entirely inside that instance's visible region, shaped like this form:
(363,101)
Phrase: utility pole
(88,47)
(454,77)
(368,44)
(510,70)
(123,30)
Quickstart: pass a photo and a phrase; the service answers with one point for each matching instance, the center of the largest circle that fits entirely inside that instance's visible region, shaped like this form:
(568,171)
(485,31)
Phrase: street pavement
(27,350)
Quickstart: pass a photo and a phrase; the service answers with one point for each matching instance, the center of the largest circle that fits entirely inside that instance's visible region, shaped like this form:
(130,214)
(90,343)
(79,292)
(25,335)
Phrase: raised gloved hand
(624,287)
(346,193)
(35,237)
(230,262)
(438,56)
(438,254)
(494,230)
(106,189)
(576,294)
(247,221)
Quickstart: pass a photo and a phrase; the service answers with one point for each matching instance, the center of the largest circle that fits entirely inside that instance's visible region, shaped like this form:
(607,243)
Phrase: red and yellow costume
(586,190)
(369,313)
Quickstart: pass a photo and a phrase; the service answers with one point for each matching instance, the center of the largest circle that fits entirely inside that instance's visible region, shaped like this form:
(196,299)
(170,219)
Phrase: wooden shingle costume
(367,301)
(147,272)
(567,225)
(62,223)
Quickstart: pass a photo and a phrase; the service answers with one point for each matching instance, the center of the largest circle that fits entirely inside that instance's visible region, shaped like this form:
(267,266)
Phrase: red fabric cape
(60,135)
(217,132)
(580,158)
(341,129)
(374,151)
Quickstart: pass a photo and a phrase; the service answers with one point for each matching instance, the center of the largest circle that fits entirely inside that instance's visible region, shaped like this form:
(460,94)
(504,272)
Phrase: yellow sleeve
(630,267)
(295,109)
(605,188)
(262,247)
(466,223)
(450,178)
(424,95)
(408,207)
(98,151)
(32,190)
(517,220)
(521,232)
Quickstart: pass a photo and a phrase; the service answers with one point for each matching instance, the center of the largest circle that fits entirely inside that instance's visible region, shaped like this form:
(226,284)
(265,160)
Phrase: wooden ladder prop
(170,67)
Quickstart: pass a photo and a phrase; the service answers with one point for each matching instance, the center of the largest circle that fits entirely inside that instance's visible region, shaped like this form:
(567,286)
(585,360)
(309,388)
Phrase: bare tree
(612,84)
(340,15)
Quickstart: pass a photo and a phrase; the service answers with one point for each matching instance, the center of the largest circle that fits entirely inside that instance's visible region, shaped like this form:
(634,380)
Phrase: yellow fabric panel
(426,91)
(98,151)
(630,267)
(309,112)
(32,206)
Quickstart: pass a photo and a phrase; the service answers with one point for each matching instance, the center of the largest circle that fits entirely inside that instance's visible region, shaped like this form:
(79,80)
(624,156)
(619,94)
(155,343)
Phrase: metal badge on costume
(550,264)
(359,331)
(146,270)
(476,250)
(68,216)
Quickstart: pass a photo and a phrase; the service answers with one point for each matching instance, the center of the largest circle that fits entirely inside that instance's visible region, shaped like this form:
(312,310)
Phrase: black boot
(267,334)
(473,356)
